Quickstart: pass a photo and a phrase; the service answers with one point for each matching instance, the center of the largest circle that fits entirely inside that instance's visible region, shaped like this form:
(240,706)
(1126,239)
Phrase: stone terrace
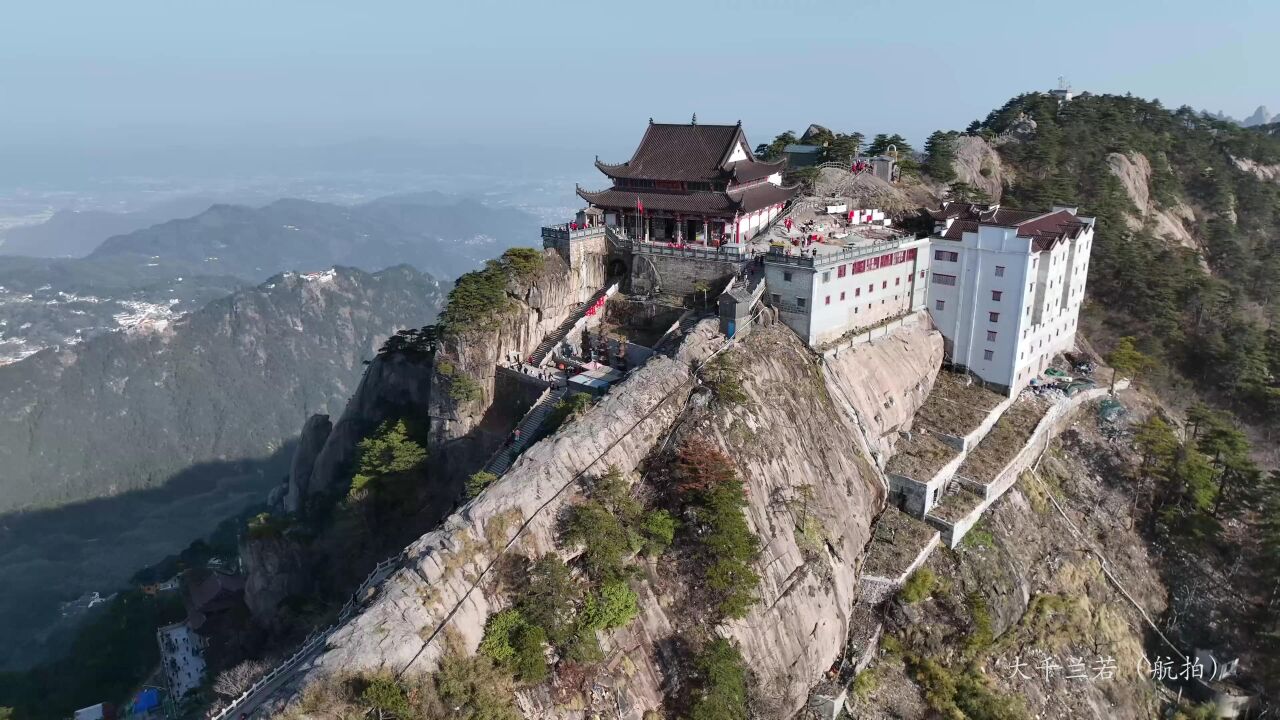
(956,406)
(1005,440)
(898,541)
(920,456)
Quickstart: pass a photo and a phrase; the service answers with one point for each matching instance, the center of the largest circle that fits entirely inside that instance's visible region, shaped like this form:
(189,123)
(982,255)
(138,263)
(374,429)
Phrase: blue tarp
(146,701)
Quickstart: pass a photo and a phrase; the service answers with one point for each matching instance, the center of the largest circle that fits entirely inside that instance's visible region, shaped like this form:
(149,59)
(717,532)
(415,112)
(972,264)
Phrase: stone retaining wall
(1053,422)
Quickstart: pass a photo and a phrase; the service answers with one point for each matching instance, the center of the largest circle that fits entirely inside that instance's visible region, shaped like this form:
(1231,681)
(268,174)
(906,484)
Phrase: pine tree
(940,156)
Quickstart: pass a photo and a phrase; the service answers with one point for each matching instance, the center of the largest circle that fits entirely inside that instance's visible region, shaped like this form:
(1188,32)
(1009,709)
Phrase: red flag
(639,205)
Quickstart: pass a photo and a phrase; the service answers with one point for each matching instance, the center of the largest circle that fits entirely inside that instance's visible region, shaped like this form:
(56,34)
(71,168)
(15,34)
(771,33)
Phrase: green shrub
(608,525)
(980,634)
(463,389)
(478,481)
(978,537)
(265,525)
(604,538)
(530,662)
(724,376)
(569,408)
(514,643)
(524,263)
(548,598)
(719,683)
(583,647)
(615,605)
(498,631)
(918,586)
(659,529)
(386,698)
(864,684)
(470,688)
(965,695)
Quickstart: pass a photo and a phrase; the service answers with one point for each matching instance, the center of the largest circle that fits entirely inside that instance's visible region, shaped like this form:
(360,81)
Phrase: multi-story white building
(829,291)
(1006,286)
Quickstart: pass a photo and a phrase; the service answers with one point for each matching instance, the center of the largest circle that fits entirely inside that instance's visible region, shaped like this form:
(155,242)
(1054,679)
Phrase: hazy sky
(559,73)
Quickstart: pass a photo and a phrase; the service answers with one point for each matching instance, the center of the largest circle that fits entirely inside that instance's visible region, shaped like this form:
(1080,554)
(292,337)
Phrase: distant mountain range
(233,380)
(76,233)
(1261,116)
(177,266)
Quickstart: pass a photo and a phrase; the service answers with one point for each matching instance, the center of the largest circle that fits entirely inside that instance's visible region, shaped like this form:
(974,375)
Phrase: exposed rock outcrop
(275,568)
(538,305)
(447,582)
(1266,173)
(813,496)
(979,165)
(887,380)
(1134,172)
(310,442)
(393,386)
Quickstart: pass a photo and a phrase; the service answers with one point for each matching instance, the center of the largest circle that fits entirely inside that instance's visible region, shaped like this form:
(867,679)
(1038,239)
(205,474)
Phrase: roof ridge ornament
(694,121)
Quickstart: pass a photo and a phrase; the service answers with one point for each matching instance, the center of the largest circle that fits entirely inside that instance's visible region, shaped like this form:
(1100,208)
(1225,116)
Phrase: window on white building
(991,336)
(842,295)
(947,255)
(826,276)
(776,298)
(842,271)
(786,276)
(940,304)
(800,302)
(999,271)
(993,316)
(996,295)
(988,354)
(940,279)
(828,300)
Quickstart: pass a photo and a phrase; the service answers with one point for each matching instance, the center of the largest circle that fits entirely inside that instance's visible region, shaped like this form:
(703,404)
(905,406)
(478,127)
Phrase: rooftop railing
(724,252)
(833,258)
(563,232)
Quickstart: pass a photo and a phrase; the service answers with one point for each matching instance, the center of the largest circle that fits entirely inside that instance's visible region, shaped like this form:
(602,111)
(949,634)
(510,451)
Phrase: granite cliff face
(393,386)
(538,304)
(419,386)
(796,436)
(127,410)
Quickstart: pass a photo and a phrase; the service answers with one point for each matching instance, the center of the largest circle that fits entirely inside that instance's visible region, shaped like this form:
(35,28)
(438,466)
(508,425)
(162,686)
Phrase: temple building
(691,184)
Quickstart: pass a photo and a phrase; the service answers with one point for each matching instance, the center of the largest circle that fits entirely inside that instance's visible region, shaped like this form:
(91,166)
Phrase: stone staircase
(528,427)
(957,502)
(554,337)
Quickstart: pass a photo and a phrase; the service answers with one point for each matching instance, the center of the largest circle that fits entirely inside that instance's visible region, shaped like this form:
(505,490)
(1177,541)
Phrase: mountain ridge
(299,338)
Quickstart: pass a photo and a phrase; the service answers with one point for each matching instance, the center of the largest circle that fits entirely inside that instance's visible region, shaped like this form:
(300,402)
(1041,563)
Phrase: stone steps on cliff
(554,337)
(528,427)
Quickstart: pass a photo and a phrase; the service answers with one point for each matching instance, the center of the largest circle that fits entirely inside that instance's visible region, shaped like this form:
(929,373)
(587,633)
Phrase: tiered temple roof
(693,169)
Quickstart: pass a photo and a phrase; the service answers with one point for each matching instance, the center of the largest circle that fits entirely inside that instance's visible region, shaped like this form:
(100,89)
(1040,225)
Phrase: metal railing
(315,638)
(563,233)
(825,259)
(724,252)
